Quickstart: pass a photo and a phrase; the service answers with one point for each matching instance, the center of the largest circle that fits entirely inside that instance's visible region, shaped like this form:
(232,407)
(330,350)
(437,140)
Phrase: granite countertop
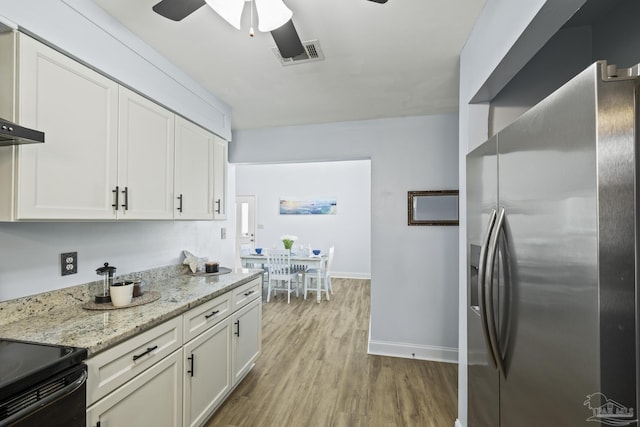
(72,325)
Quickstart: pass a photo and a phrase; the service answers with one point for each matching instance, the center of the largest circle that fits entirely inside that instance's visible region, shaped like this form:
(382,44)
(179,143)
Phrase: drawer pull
(213,313)
(149,350)
(192,359)
(249,293)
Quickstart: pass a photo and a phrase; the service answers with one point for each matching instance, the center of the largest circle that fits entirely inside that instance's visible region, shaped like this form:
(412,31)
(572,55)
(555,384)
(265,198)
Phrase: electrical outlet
(68,263)
(223,233)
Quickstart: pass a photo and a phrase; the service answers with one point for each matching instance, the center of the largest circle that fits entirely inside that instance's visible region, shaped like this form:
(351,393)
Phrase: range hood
(12,134)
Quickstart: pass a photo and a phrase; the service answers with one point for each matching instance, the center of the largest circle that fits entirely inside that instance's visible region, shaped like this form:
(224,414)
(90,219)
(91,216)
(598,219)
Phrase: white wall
(506,36)
(349,230)
(414,290)
(30,252)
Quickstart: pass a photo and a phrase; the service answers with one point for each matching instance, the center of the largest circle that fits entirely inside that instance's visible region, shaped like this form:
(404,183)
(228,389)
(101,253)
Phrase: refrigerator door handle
(488,294)
(482,266)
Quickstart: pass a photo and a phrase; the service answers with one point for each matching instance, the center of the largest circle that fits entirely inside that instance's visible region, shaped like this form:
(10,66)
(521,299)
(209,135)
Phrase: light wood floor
(314,371)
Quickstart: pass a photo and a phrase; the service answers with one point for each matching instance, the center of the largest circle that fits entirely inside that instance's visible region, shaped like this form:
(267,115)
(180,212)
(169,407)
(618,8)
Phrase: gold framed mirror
(438,207)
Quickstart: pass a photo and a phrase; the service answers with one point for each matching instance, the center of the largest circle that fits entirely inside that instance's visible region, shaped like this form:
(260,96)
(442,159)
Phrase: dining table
(305,261)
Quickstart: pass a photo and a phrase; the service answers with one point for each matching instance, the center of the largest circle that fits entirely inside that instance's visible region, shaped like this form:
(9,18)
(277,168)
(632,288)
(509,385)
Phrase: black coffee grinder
(106,272)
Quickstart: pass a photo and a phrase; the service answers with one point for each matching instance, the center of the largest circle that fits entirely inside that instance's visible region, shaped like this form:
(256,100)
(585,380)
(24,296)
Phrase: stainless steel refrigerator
(552,241)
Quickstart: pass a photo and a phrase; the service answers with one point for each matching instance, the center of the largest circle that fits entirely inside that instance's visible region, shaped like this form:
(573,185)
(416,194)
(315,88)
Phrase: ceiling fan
(285,36)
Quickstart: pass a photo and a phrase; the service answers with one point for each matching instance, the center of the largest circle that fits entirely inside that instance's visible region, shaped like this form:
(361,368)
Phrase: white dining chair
(311,275)
(281,273)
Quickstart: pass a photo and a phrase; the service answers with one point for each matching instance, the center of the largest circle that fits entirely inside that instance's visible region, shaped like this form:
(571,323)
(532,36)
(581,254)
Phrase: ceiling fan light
(272,14)
(229,10)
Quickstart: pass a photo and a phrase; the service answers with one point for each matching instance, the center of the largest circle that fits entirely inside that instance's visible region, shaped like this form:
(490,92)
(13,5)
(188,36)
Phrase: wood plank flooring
(314,370)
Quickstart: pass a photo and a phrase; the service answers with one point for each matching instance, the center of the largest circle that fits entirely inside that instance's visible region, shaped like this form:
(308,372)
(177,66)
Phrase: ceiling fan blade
(177,10)
(287,40)
(379,1)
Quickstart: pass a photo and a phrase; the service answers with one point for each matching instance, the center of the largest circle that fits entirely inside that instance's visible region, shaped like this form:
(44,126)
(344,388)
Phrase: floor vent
(312,52)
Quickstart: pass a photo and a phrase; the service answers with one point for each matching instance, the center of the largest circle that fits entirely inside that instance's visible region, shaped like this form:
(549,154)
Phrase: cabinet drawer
(153,398)
(242,295)
(202,317)
(112,368)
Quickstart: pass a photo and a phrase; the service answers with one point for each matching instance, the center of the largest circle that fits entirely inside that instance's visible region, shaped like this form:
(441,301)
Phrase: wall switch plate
(68,263)
(223,233)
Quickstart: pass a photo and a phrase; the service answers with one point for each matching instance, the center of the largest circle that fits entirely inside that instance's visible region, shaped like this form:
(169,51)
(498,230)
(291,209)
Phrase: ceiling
(381,60)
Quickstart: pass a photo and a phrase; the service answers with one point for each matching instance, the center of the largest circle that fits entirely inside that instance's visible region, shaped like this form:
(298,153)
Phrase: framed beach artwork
(319,206)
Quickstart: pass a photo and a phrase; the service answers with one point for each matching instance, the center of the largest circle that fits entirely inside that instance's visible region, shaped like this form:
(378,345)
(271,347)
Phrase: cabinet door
(193,171)
(153,398)
(220,179)
(246,339)
(145,158)
(71,175)
(207,380)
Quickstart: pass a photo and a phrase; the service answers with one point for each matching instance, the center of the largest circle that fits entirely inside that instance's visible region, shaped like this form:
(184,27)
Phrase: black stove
(23,364)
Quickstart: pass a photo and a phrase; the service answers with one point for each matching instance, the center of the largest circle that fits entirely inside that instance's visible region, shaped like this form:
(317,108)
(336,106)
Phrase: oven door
(57,402)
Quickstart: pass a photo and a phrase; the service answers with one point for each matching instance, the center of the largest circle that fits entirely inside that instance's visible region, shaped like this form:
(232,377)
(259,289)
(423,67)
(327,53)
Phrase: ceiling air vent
(312,52)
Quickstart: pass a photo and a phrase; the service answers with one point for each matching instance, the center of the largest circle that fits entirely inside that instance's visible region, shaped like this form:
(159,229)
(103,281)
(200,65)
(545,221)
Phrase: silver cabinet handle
(491,323)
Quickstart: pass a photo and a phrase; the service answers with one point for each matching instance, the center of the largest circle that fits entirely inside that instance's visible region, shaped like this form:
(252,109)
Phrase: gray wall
(413,269)
(611,34)
(616,36)
(563,57)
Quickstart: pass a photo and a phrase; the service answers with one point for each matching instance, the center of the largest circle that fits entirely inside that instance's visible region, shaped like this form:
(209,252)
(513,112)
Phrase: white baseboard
(347,275)
(413,351)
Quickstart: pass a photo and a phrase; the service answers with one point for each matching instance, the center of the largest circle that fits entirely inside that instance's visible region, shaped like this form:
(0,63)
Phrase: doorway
(246,219)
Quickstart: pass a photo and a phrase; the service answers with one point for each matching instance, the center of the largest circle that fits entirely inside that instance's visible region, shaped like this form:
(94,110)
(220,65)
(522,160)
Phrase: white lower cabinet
(247,338)
(207,381)
(153,398)
(179,372)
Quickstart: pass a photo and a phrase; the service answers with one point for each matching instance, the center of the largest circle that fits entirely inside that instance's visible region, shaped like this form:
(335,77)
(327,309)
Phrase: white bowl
(121,294)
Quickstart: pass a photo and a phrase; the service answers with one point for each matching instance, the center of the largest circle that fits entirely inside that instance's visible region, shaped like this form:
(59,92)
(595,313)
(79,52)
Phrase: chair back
(327,269)
(279,262)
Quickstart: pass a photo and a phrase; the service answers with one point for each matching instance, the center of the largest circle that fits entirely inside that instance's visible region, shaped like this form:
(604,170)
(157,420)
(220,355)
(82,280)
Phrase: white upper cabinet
(145,158)
(220,179)
(109,153)
(193,171)
(71,175)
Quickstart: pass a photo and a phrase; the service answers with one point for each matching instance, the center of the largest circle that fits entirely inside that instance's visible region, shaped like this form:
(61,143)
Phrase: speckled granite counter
(70,324)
